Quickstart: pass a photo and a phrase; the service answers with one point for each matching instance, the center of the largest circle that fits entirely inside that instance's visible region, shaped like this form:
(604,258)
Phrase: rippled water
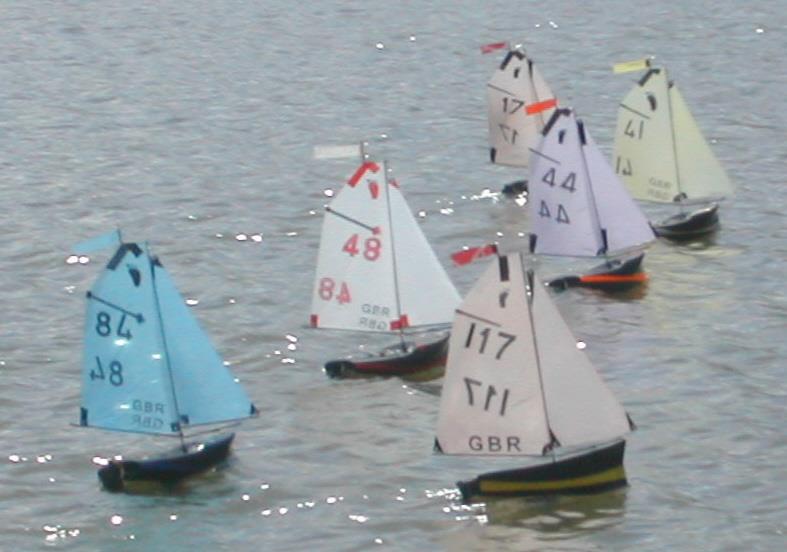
(189,124)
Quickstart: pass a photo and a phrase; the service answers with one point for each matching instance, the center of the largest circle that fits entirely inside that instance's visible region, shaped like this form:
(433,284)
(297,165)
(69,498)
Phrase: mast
(393,257)
(672,134)
(591,195)
(529,293)
(166,349)
(536,99)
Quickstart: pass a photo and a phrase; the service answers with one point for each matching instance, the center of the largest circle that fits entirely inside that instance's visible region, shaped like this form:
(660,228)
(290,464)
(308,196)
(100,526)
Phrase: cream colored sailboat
(519,103)
(662,156)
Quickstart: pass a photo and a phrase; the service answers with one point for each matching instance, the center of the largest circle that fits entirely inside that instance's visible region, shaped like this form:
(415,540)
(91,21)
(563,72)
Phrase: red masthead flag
(467,256)
(489,48)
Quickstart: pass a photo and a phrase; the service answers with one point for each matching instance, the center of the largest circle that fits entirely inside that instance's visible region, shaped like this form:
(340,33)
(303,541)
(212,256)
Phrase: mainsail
(516,383)
(148,367)
(578,205)
(519,101)
(375,269)
(660,153)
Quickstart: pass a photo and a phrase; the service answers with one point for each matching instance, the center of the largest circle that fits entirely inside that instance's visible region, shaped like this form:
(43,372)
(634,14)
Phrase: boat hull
(421,363)
(612,275)
(515,189)
(686,226)
(128,475)
(595,471)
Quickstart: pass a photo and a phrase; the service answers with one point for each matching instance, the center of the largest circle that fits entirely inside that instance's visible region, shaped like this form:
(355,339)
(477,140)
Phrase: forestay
(135,317)
(659,152)
(519,101)
(515,381)
(375,269)
(578,205)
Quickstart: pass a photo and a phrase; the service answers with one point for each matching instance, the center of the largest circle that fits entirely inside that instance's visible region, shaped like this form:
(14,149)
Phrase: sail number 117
(483,339)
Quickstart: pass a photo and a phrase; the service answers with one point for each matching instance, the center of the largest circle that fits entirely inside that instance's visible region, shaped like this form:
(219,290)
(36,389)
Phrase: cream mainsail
(519,102)
(659,151)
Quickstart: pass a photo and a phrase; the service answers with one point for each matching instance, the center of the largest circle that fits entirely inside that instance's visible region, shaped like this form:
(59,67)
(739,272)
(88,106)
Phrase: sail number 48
(371,247)
(327,291)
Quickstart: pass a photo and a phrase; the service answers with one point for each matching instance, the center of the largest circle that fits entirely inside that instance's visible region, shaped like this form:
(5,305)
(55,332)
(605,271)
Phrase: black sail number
(113,372)
(104,325)
(510,105)
(509,134)
(480,394)
(503,340)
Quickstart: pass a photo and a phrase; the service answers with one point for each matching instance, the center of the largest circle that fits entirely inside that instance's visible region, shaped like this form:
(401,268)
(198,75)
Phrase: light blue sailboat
(149,368)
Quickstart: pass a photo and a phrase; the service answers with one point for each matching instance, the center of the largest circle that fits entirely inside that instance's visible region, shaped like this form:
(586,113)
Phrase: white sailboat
(662,156)
(376,272)
(519,103)
(517,386)
(579,207)
(149,368)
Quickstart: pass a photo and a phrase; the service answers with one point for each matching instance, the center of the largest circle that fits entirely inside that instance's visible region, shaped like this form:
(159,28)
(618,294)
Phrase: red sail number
(327,291)
(371,247)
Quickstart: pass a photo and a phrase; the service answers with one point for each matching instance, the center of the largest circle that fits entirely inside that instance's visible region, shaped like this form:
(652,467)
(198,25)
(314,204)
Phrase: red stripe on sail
(489,48)
(367,166)
(313,320)
(467,256)
(538,107)
(400,324)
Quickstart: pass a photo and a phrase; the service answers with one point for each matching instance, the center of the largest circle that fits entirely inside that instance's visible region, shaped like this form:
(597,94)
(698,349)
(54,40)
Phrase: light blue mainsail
(125,383)
(205,389)
(135,368)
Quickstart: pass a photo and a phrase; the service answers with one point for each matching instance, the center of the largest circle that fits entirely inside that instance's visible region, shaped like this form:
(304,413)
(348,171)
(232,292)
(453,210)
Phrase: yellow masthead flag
(628,66)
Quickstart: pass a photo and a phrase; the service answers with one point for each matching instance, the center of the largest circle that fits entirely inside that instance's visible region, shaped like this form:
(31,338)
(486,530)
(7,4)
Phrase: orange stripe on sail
(538,107)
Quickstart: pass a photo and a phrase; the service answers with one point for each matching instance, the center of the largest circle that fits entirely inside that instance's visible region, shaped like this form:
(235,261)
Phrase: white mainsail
(659,151)
(515,381)
(578,206)
(519,102)
(375,269)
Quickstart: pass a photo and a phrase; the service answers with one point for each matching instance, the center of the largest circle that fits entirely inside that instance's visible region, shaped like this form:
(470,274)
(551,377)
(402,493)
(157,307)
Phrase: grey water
(191,125)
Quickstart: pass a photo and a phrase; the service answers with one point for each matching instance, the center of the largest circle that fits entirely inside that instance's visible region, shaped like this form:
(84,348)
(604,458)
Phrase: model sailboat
(376,272)
(662,156)
(149,368)
(579,207)
(517,385)
(519,103)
